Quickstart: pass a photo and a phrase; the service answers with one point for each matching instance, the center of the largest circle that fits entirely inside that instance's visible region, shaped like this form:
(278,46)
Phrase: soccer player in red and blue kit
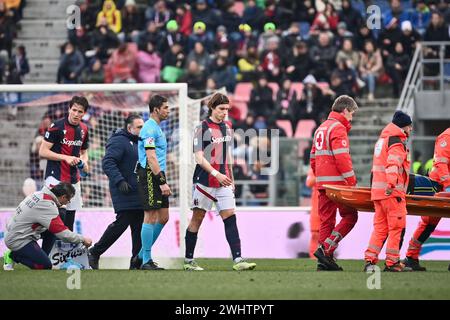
(65,147)
(213,182)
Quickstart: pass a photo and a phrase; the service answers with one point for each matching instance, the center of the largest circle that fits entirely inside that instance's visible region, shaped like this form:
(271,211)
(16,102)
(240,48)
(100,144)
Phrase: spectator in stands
(286,102)
(246,40)
(148,64)
(311,104)
(104,41)
(347,75)
(421,17)
(270,30)
(222,39)
(306,11)
(132,22)
(342,34)
(200,56)
(261,98)
(323,56)
(14,8)
(253,15)
(271,60)
(298,62)
(184,19)
(231,20)
(370,67)
(290,37)
(436,31)
(121,65)
(364,34)
(6,30)
(150,34)
(159,14)
(94,73)
(196,78)
(280,15)
(348,53)
(211,87)
(397,66)
(80,37)
(199,35)
(173,63)
(389,37)
(410,38)
(209,17)
(223,74)
(396,11)
(112,15)
(71,65)
(444,9)
(18,66)
(171,36)
(337,87)
(350,16)
(248,65)
(325,21)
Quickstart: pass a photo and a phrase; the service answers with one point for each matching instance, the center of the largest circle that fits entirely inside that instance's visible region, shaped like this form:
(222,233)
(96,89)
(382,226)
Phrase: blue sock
(147,241)
(141,252)
(156,231)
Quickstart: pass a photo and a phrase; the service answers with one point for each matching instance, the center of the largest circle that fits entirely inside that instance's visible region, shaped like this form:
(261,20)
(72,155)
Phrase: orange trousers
(424,229)
(314,223)
(388,223)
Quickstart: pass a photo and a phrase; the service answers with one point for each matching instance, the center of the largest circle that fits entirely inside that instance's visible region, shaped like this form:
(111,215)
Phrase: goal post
(111,101)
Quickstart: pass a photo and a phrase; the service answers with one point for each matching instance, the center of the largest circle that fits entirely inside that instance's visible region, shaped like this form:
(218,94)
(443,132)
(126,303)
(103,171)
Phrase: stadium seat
(242,107)
(275,87)
(304,131)
(298,87)
(286,126)
(242,91)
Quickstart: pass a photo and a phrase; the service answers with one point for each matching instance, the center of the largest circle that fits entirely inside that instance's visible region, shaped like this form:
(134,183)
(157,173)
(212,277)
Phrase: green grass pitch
(272,279)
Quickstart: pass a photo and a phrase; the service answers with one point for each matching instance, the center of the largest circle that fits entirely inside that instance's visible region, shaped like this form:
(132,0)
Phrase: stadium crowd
(13,65)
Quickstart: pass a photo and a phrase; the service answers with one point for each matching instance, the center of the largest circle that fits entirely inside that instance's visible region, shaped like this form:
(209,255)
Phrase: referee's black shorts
(149,190)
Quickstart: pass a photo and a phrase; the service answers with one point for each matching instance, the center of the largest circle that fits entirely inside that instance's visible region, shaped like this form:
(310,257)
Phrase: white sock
(237,260)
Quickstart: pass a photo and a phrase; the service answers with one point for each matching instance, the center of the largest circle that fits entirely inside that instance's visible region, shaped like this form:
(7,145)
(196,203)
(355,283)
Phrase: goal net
(26,111)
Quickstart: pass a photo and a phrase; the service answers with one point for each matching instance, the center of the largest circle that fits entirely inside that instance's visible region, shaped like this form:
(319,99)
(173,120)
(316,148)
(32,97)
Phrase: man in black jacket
(118,164)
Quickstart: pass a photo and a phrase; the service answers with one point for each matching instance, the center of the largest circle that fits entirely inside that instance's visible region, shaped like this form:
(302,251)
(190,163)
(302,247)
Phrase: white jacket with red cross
(330,153)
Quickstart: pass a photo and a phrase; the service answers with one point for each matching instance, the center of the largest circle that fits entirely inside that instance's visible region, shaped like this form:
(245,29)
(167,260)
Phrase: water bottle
(80,167)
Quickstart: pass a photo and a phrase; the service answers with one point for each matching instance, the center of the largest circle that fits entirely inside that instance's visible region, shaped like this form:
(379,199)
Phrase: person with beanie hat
(401,119)
(390,178)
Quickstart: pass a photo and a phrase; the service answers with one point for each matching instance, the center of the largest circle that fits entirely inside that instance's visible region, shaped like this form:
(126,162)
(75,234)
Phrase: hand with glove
(447,189)
(124,187)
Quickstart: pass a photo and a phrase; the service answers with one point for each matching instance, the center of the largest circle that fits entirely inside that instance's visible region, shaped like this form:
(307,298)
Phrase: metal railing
(416,78)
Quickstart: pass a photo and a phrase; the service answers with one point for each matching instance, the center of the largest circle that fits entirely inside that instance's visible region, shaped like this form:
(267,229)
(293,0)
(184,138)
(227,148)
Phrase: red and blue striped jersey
(69,140)
(215,140)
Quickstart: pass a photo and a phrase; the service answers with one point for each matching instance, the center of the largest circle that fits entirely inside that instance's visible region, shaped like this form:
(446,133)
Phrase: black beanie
(401,119)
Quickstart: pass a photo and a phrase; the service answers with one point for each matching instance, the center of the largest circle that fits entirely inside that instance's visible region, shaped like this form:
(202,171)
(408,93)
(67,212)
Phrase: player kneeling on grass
(35,214)
(213,182)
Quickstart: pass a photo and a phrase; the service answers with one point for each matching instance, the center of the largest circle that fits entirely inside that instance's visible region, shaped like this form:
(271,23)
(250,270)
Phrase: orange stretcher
(359,198)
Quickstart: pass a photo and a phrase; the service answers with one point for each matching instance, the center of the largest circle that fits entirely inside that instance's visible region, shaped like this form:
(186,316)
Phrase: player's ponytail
(216,100)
